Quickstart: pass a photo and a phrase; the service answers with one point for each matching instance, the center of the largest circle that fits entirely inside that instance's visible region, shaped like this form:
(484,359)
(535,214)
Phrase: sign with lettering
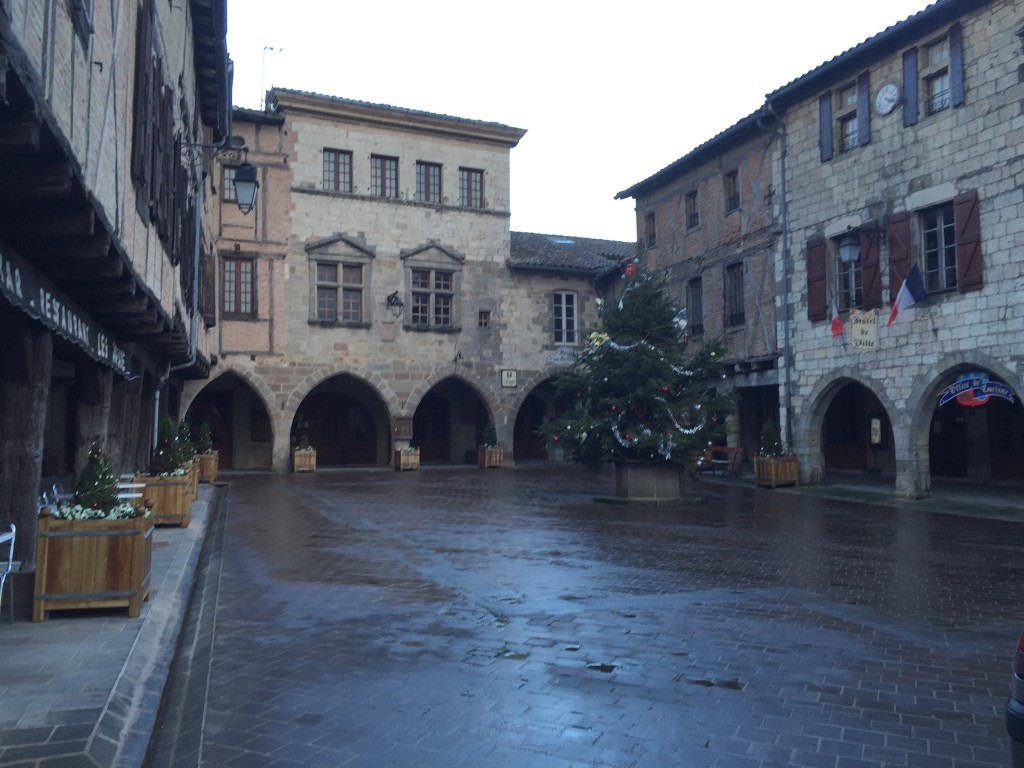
(863,330)
(972,389)
(37,297)
(508,378)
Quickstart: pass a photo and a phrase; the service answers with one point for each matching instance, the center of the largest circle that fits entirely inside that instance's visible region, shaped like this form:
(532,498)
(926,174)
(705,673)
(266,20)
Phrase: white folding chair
(7,540)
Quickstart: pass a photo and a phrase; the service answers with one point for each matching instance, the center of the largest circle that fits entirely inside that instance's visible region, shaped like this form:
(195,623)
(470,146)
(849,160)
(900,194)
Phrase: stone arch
(313,377)
(922,399)
(811,419)
(524,446)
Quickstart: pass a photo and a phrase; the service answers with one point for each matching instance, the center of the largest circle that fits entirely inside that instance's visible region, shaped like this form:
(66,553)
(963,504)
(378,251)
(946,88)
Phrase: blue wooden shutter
(956,66)
(825,126)
(910,88)
(863,110)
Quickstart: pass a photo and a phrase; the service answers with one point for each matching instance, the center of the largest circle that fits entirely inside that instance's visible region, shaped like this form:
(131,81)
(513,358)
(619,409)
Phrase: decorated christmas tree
(204,441)
(173,449)
(96,488)
(638,391)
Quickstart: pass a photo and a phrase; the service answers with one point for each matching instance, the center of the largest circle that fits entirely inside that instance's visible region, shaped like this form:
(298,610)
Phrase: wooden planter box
(168,498)
(92,564)
(773,471)
(193,480)
(303,461)
(208,465)
(489,457)
(407,460)
(639,482)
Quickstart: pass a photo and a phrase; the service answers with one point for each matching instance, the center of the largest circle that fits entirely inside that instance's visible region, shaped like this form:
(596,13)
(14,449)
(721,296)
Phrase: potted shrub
(407,458)
(94,551)
(207,459)
(773,466)
(168,490)
(304,456)
(489,453)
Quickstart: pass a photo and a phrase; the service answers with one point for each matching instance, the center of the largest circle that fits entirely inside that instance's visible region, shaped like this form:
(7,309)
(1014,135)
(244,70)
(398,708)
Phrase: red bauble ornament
(630,270)
(664,389)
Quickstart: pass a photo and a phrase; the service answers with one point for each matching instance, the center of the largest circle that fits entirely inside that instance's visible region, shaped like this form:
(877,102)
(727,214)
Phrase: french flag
(837,322)
(911,292)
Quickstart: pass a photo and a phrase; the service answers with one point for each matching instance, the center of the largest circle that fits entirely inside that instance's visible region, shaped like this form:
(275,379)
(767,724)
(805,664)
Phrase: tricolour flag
(837,322)
(911,292)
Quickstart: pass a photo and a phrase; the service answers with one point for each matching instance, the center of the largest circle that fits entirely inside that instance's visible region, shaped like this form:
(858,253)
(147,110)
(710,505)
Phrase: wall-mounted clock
(887,98)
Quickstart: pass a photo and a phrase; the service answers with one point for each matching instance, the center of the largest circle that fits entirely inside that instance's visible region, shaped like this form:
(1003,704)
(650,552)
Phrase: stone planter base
(649,485)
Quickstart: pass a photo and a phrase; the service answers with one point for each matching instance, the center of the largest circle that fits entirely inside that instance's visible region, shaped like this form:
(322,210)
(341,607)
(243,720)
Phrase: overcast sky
(609,92)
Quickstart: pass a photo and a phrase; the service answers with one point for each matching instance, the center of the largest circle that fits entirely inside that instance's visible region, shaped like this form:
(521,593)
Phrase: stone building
(706,222)
(105,231)
(899,157)
(377,297)
(904,152)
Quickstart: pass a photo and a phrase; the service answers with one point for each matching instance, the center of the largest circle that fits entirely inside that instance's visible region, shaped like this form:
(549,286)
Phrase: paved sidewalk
(82,688)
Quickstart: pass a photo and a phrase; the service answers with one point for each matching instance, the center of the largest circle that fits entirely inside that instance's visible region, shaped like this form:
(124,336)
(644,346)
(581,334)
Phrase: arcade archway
(856,433)
(239,422)
(346,421)
(448,423)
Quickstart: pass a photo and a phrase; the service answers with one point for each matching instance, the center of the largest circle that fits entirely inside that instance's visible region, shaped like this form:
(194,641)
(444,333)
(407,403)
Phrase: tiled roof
(563,253)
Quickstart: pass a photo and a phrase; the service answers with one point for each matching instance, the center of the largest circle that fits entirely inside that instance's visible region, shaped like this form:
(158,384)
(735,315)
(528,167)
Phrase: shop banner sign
(37,297)
(971,389)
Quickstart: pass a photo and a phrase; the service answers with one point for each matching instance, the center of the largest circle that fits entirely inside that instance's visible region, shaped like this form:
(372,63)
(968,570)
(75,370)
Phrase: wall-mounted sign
(863,330)
(37,297)
(508,378)
(972,389)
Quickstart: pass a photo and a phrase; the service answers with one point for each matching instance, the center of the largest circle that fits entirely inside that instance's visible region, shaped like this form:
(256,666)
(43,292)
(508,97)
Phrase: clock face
(887,98)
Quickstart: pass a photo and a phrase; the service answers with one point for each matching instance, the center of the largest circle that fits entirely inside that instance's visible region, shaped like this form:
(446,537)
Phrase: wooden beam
(19,182)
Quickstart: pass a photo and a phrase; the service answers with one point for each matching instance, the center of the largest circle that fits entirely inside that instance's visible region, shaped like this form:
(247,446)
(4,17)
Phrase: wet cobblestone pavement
(459,617)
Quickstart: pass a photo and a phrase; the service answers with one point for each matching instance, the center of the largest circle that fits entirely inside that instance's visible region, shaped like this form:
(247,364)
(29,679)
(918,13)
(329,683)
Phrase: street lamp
(246,186)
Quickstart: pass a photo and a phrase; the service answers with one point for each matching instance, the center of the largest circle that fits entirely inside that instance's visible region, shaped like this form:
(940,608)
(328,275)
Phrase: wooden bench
(721,458)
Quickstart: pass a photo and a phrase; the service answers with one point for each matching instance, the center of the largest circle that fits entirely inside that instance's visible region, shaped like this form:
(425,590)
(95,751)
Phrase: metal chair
(7,540)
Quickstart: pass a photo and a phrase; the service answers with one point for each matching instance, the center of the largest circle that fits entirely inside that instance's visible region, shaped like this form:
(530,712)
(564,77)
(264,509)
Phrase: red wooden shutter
(899,251)
(870,274)
(817,298)
(968,241)
(825,126)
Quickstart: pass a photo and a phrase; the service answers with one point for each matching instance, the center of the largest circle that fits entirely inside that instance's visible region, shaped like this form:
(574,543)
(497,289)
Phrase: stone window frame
(427,191)
(434,259)
(384,182)
(471,188)
(565,309)
(691,203)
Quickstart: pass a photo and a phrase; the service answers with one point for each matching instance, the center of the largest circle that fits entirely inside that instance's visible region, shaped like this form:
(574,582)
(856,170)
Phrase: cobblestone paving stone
(458,617)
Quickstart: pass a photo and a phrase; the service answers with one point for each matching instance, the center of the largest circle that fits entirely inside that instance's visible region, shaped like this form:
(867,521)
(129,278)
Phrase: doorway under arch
(856,433)
(239,421)
(977,438)
(346,421)
(448,423)
(542,404)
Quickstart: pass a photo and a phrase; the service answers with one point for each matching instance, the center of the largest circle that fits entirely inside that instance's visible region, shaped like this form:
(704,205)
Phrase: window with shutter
(910,88)
(899,251)
(825,126)
(817,299)
(968,241)
(871,273)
